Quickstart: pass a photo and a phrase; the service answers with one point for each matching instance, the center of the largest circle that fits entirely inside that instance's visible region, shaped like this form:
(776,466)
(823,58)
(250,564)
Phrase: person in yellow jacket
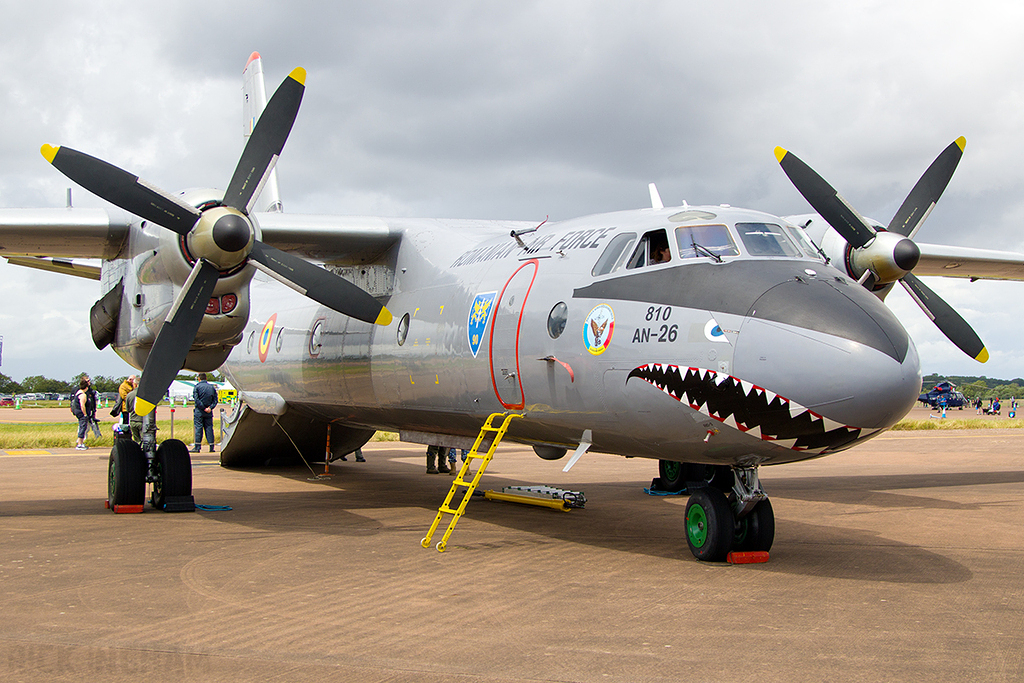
(127,385)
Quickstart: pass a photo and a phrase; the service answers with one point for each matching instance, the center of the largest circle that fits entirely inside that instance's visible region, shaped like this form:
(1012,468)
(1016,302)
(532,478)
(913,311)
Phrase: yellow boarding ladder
(460,479)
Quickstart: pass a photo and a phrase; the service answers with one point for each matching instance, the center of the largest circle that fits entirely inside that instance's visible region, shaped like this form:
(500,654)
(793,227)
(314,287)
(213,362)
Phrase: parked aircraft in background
(710,338)
(943,395)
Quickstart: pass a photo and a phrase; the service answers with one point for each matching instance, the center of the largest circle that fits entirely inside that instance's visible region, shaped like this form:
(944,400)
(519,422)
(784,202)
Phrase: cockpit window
(803,241)
(653,249)
(614,254)
(766,239)
(705,241)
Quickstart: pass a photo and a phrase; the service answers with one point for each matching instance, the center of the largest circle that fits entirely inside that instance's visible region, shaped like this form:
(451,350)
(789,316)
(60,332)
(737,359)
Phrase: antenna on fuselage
(656,202)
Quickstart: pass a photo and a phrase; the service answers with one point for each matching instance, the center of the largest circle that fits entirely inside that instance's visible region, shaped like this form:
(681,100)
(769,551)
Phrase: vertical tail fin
(254,99)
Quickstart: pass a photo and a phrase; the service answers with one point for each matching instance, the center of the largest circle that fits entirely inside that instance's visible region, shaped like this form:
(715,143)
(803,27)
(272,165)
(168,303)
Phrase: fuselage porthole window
(556,320)
(403,329)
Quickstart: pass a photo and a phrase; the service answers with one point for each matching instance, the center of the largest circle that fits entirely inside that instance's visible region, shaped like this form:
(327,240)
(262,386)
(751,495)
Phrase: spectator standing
(205,397)
(83,405)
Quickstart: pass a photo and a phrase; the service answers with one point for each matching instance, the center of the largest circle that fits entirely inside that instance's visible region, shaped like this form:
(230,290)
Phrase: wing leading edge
(966,262)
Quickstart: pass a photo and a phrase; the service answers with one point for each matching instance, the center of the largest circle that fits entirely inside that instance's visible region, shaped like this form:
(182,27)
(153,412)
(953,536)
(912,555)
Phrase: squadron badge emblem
(479,314)
(598,328)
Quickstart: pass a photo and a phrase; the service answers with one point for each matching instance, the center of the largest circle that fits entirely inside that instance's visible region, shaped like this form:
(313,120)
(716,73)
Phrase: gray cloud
(522,110)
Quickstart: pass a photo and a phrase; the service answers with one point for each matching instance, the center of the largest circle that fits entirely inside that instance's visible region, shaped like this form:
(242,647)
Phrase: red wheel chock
(751,557)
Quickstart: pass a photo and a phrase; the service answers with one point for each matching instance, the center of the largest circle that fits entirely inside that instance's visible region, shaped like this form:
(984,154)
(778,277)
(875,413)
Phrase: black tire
(676,476)
(173,472)
(672,475)
(756,531)
(709,525)
(126,474)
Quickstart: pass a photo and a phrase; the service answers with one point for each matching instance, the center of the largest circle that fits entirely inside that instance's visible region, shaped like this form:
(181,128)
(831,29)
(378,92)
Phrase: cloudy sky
(524,110)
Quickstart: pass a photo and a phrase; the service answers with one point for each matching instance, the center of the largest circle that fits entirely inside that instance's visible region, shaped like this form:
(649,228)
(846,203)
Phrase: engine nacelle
(103,316)
(150,274)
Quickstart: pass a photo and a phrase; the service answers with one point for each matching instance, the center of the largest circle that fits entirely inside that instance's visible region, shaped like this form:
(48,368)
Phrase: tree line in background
(978,387)
(37,384)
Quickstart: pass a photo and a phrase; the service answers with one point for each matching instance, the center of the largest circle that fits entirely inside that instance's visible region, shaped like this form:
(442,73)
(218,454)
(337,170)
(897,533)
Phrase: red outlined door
(505,328)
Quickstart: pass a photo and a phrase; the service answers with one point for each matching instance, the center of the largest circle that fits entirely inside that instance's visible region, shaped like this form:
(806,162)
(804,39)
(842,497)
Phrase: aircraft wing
(101,234)
(65,233)
(967,262)
(336,239)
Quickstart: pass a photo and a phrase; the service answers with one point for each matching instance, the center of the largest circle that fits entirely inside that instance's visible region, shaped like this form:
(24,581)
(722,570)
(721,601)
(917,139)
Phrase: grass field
(25,435)
(960,423)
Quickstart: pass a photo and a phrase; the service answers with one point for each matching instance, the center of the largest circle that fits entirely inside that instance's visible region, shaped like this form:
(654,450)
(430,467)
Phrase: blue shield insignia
(479,314)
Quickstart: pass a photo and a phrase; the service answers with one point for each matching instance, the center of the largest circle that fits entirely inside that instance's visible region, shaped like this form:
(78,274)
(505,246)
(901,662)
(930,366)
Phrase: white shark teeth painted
(831,425)
(749,408)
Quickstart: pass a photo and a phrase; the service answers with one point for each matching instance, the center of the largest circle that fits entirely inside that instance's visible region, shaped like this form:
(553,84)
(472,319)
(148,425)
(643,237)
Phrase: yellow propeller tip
(298,74)
(780,153)
(49,152)
(384,318)
(982,357)
(961,142)
(143,407)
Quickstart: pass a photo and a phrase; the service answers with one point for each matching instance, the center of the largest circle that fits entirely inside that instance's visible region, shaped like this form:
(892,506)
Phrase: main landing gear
(728,510)
(168,467)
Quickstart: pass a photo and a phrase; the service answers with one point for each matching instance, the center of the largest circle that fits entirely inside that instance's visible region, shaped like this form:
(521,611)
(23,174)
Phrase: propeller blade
(825,200)
(945,318)
(122,189)
(266,142)
(319,284)
(175,338)
(921,200)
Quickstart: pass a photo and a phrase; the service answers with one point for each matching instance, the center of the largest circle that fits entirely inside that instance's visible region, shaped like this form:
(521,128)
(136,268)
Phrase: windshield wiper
(815,244)
(704,250)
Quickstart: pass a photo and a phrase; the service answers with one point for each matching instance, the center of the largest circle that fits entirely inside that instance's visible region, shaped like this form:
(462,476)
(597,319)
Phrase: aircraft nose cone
(831,350)
(231,232)
(906,254)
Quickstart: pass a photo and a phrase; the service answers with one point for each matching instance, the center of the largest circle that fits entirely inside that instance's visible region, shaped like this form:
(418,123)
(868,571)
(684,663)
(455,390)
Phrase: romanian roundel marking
(265,336)
(598,328)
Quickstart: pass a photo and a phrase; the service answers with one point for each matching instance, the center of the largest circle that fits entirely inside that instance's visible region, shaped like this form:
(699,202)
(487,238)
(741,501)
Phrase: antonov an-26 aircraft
(711,338)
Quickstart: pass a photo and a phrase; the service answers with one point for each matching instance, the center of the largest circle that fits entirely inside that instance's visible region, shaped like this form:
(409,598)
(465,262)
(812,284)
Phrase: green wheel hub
(672,469)
(697,526)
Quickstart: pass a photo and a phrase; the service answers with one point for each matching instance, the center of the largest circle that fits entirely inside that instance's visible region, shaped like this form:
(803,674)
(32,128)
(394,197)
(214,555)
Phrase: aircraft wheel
(709,525)
(174,472)
(675,475)
(756,531)
(672,474)
(126,475)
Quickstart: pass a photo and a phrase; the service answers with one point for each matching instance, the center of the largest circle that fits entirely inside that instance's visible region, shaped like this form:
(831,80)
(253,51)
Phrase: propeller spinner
(219,237)
(887,255)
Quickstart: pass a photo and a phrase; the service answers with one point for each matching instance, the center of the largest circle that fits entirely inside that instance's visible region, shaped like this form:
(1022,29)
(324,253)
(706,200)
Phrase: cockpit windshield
(703,241)
(766,239)
(803,241)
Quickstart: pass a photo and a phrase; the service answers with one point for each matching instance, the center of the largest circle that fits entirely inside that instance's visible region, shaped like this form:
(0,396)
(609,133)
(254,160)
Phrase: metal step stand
(460,479)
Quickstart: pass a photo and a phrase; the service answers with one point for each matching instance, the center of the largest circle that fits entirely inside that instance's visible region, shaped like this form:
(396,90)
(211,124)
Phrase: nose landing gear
(740,519)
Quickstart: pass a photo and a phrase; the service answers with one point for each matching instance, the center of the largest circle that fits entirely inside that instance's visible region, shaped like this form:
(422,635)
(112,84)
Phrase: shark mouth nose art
(751,409)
